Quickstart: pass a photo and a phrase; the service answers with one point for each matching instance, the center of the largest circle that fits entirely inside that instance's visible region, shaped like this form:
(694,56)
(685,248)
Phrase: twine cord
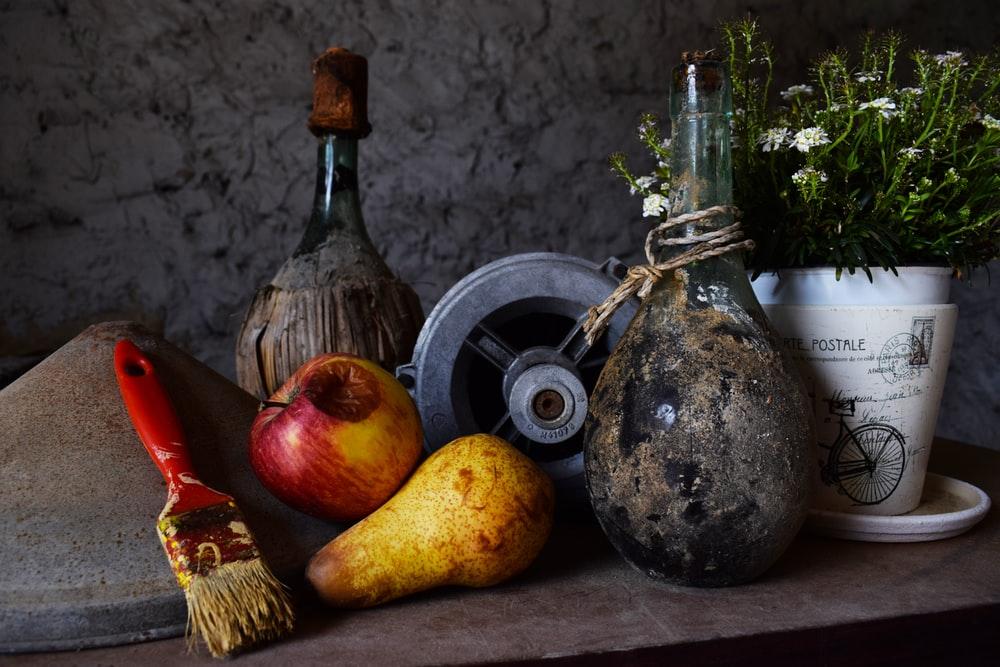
(640,279)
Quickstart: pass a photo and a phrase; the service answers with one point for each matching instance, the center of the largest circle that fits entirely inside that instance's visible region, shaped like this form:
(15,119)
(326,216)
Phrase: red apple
(337,439)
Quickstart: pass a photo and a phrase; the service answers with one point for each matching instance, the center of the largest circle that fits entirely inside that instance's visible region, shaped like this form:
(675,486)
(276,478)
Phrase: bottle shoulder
(337,258)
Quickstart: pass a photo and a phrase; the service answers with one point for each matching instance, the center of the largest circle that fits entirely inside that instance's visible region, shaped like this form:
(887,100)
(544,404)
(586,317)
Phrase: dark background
(155,165)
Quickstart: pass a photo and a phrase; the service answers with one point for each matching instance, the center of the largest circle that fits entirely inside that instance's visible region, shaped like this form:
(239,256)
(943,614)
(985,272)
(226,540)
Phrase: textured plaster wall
(154,161)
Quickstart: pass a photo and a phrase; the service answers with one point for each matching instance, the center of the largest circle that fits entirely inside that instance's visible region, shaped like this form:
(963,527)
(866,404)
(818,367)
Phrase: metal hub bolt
(548,403)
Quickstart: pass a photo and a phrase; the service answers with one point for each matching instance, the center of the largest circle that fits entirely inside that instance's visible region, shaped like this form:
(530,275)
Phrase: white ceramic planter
(874,356)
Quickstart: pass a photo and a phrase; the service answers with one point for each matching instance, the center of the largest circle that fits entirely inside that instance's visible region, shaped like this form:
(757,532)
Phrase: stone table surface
(865,602)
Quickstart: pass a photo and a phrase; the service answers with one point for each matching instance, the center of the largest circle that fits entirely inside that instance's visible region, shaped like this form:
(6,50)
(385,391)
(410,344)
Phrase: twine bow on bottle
(640,279)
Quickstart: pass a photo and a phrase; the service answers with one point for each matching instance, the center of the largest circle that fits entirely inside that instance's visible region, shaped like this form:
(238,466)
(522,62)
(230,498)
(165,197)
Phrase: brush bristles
(237,605)
(233,599)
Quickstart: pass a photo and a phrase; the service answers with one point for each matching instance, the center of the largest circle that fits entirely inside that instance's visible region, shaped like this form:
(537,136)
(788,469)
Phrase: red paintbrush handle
(158,427)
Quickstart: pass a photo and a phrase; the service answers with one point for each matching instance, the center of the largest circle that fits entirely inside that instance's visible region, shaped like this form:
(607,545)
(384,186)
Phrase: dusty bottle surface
(698,437)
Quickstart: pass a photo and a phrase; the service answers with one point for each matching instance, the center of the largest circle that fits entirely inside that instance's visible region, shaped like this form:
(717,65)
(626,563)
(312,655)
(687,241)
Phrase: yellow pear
(476,513)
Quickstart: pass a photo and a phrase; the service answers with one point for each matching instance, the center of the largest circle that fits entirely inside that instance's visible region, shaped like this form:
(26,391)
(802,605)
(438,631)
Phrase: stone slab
(79,496)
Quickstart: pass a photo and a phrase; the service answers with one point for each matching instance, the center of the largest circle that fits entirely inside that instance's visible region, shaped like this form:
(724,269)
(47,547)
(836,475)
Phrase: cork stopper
(698,74)
(340,94)
(690,57)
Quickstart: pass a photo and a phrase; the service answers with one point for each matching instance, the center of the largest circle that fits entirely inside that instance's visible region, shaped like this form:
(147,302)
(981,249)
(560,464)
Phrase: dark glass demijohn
(698,438)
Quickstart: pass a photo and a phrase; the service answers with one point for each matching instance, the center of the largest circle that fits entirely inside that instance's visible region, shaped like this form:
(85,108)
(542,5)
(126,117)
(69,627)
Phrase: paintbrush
(233,599)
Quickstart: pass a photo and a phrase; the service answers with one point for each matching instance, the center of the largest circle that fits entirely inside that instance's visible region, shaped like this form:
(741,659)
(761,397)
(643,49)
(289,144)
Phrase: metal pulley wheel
(504,352)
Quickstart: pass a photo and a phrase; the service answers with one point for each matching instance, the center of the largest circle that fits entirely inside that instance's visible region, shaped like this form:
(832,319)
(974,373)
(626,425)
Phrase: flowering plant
(852,170)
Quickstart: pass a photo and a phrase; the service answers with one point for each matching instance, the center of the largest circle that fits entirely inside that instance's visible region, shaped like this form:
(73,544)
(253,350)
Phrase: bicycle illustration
(865,463)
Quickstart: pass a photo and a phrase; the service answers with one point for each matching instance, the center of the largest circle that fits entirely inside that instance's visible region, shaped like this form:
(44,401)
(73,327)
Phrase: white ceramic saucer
(949,507)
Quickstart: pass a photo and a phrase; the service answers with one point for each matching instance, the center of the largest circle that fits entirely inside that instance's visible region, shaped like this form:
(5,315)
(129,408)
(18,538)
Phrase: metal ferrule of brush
(202,540)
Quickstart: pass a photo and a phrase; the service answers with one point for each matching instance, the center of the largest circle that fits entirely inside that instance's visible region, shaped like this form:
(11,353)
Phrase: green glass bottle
(335,292)
(698,438)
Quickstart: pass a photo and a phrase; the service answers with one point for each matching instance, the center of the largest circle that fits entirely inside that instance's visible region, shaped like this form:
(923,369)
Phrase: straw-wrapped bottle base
(283,329)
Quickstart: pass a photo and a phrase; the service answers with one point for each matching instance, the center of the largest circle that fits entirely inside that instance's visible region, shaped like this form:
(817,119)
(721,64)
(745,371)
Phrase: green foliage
(852,170)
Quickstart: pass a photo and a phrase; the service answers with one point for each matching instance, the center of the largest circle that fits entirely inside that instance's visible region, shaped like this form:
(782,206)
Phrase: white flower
(990,123)
(739,113)
(808,138)
(953,58)
(794,91)
(774,139)
(644,183)
(654,205)
(806,174)
(951,176)
(647,126)
(911,152)
(883,105)
(662,162)
(866,77)
(911,91)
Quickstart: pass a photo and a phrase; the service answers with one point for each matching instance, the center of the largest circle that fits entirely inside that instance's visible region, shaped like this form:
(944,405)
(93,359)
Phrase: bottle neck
(700,160)
(336,211)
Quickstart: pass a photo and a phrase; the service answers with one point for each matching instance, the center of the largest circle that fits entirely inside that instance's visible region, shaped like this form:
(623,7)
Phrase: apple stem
(273,404)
